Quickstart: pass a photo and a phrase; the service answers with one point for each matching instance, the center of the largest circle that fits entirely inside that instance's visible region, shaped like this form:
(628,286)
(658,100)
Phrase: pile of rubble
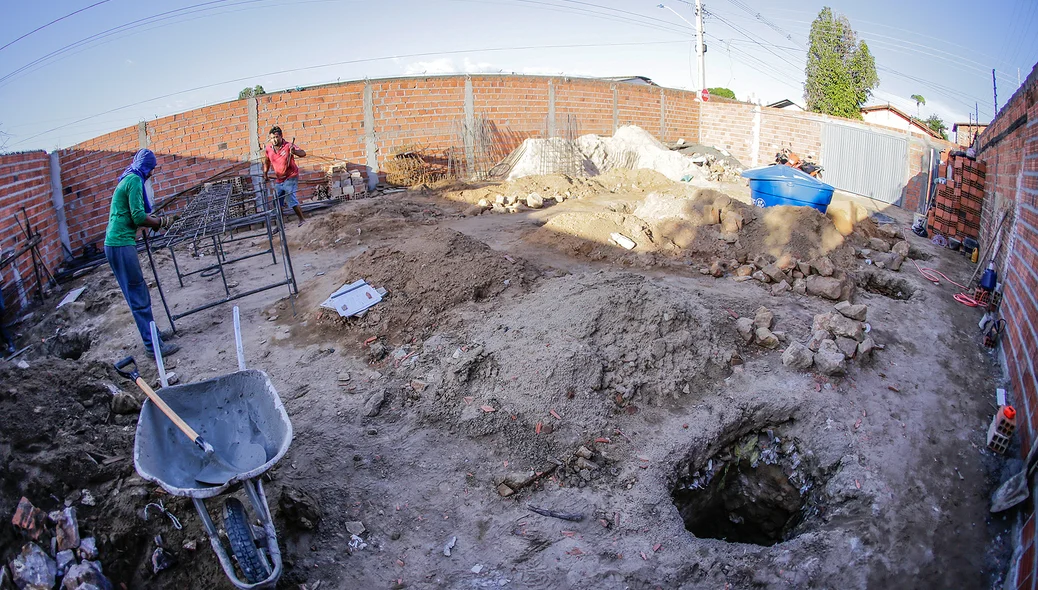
(836,337)
(514,204)
(718,165)
(70,559)
(818,277)
(882,253)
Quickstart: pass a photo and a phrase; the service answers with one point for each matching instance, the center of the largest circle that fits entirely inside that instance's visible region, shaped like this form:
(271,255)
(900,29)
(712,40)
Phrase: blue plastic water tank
(782,185)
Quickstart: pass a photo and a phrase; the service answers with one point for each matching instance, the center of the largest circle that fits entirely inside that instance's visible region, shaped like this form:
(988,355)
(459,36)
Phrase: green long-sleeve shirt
(127,213)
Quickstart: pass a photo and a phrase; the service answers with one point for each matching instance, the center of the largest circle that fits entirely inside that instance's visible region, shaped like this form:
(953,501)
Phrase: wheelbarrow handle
(155,399)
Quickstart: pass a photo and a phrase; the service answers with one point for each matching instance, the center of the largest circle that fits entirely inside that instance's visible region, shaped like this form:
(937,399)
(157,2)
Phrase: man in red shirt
(281,155)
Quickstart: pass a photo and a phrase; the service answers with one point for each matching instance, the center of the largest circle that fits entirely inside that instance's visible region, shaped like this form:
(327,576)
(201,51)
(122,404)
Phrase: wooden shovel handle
(168,411)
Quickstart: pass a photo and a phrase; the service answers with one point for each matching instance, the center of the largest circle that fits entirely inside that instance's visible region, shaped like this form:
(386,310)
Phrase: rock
(373,405)
(797,356)
(800,286)
(518,480)
(731,221)
(848,346)
(804,268)
(823,266)
(377,351)
(484,203)
(745,270)
(499,200)
(88,549)
(584,452)
(760,276)
(29,518)
(716,269)
(190,545)
(534,201)
(498,208)
(786,262)
(865,348)
(782,336)
(816,339)
(765,338)
(64,560)
(22,365)
(67,529)
(85,574)
(847,287)
(797,274)
(583,463)
(745,328)
(888,261)
(879,245)
(773,272)
(124,403)
(846,327)
(901,249)
(779,288)
(821,322)
(889,230)
(854,312)
(449,545)
(299,508)
(473,211)
(355,527)
(763,318)
(33,569)
(824,286)
(504,491)
(161,560)
(829,360)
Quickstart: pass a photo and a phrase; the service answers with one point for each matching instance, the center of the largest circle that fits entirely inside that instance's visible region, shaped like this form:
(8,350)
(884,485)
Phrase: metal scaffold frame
(221,212)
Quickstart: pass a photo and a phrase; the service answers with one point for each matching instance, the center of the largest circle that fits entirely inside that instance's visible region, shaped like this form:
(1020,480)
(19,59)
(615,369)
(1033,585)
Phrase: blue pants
(287,190)
(127,269)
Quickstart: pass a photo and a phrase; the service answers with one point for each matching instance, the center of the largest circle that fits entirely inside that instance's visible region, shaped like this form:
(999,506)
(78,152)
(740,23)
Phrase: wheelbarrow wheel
(243,543)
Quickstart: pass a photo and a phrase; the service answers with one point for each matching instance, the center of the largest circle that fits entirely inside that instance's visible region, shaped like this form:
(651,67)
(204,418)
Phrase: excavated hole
(886,285)
(68,346)
(757,490)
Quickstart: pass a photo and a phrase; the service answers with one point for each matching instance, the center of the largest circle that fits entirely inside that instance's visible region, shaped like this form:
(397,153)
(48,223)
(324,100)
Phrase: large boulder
(852,311)
(766,338)
(816,339)
(823,286)
(745,328)
(879,245)
(763,318)
(847,328)
(829,360)
(776,274)
(797,356)
(823,266)
(901,248)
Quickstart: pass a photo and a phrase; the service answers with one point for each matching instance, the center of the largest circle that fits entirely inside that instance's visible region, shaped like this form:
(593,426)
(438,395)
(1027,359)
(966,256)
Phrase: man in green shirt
(130,211)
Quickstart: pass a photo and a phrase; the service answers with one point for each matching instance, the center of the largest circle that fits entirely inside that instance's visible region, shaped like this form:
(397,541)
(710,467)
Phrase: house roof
(640,80)
(955,126)
(903,115)
(785,102)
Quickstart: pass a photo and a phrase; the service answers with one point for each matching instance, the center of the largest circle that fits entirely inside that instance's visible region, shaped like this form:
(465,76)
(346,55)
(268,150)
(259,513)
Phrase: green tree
(722,92)
(937,125)
(841,72)
(918,98)
(250,92)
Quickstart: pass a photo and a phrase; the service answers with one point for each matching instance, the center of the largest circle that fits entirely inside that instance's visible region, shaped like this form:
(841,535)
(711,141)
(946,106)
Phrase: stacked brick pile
(345,184)
(960,200)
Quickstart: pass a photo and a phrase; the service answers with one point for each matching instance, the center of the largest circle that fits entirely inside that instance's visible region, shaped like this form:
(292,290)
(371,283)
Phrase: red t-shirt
(282,162)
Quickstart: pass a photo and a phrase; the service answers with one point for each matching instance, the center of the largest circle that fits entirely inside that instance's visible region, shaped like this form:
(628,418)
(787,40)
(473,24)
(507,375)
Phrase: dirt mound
(604,345)
(384,216)
(426,276)
(554,185)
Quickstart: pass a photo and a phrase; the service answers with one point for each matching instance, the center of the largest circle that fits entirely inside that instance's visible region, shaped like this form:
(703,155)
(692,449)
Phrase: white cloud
(438,66)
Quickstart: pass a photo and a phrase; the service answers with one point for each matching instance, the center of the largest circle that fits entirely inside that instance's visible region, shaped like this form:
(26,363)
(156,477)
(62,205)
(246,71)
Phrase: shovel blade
(218,471)
(1011,493)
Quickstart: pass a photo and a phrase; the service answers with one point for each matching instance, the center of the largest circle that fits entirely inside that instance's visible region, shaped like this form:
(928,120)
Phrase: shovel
(217,470)
(1016,489)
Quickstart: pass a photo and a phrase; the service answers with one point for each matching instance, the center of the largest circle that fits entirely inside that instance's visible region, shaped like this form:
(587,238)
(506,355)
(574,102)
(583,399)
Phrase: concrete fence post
(755,143)
(470,125)
(255,150)
(142,134)
(57,197)
(370,142)
(551,108)
(616,108)
(663,116)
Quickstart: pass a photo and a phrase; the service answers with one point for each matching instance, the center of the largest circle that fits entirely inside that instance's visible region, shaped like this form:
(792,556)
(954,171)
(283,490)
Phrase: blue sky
(108,64)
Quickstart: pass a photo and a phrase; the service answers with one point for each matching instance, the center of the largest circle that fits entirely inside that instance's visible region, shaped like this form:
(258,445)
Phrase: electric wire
(41,27)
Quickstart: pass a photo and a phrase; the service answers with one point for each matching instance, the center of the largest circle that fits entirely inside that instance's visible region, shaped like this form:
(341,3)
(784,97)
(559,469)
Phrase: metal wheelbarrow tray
(241,407)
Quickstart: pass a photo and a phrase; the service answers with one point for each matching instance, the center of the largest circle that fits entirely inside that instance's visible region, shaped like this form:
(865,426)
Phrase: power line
(41,27)
(340,63)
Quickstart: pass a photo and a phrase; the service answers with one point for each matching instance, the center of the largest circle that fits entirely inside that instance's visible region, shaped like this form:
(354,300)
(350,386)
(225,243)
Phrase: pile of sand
(631,147)
(588,348)
(426,276)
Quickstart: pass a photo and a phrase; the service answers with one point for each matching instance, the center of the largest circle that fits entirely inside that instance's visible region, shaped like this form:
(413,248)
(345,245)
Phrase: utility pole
(700,47)
(994,86)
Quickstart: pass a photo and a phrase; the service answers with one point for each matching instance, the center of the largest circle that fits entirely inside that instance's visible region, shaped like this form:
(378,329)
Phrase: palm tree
(918,98)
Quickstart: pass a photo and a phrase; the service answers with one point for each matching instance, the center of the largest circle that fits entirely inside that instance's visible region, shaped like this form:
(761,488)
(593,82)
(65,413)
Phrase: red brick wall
(640,105)
(681,116)
(800,132)
(1011,156)
(728,126)
(591,102)
(25,183)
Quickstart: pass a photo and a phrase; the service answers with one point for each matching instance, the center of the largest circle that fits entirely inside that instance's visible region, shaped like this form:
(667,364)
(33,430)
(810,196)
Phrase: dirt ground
(524,360)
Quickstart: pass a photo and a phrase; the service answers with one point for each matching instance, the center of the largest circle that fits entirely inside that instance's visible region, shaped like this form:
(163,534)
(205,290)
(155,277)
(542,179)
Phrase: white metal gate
(864,162)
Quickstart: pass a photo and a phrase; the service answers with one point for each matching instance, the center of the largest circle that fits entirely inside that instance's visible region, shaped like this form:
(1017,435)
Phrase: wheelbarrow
(239,408)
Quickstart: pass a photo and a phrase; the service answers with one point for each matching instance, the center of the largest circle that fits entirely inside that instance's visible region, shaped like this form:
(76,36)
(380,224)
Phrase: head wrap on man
(144,162)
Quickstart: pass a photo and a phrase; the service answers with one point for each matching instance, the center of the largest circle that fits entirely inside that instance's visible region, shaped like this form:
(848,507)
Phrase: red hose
(932,276)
